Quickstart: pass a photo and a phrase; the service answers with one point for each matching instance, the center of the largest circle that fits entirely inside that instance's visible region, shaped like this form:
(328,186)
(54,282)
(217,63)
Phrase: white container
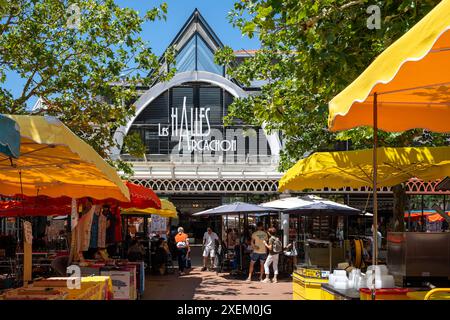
(379,269)
(340,273)
(340,279)
(386,282)
(341,285)
(381,281)
(331,279)
(361,283)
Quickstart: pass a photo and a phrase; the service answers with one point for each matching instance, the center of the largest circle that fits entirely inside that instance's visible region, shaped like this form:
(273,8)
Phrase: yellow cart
(307,283)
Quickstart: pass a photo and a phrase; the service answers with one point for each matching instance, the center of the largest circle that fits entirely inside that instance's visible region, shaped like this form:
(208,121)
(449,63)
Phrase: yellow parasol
(406,87)
(168,210)
(409,81)
(354,168)
(55,162)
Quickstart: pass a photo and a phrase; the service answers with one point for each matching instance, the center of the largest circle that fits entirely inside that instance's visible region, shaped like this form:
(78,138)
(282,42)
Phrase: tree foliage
(84,59)
(310,51)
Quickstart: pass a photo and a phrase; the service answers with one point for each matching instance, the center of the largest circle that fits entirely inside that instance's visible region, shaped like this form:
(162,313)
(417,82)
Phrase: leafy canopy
(73,54)
(310,51)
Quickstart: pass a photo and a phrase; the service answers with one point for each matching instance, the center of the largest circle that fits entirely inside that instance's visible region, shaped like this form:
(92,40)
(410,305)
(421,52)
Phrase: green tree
(310,51)
(84,59)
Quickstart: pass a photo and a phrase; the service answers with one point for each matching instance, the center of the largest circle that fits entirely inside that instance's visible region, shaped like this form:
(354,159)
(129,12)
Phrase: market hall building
(191,157)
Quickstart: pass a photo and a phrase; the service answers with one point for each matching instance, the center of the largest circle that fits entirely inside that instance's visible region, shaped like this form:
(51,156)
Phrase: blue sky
(159,34)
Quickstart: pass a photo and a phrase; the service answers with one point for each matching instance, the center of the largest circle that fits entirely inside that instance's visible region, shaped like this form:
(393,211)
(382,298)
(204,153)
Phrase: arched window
(159,114)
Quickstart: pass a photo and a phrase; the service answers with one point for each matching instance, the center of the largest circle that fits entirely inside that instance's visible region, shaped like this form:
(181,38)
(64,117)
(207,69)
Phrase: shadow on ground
(211,286)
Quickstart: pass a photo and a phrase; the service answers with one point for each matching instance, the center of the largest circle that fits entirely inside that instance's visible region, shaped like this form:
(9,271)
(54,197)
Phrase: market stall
(128,278)
(91,288)
(73,170)
(242,210)
(403,88)
(149,226)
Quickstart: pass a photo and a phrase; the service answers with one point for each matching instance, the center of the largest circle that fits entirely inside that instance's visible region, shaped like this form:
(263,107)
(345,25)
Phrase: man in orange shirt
(182,243)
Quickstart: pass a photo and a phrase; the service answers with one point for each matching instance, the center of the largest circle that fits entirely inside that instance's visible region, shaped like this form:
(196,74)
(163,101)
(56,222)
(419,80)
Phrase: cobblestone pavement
(210,286)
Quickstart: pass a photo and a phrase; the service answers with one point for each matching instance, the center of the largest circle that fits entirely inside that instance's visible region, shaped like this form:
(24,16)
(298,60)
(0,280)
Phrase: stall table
(128,278)
(92,288)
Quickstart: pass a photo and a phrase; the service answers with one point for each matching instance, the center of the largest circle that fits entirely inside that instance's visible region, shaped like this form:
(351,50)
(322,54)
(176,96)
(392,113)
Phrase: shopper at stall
(259,250)
(162,254)
(210,242)
(275,247)
(231,239)
(111,221)
(136,251)
(60,264)
(182,243)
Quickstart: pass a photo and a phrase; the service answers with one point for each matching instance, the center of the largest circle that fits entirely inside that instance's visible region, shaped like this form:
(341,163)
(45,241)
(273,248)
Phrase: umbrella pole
(409,213)
(422,217)
(374,190)
(240,242)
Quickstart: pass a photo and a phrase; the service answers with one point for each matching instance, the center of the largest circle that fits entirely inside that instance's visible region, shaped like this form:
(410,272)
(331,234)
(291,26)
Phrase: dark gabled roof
(196,17)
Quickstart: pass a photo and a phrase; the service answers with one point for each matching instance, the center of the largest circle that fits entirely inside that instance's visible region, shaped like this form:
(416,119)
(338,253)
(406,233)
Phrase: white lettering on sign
(194,124)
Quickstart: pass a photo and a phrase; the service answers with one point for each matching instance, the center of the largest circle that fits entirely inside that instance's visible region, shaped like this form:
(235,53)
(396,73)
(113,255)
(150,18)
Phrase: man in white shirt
(209,247)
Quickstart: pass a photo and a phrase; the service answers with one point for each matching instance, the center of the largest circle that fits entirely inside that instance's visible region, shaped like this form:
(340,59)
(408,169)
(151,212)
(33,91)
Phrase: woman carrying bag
(275,247)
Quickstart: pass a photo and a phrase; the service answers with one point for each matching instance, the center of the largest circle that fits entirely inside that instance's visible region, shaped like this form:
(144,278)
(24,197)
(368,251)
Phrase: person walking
(275,247)
(182,243)
(209,247)
(259,250)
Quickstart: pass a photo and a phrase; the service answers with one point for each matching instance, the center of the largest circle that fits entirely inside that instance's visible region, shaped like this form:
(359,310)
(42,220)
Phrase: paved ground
(208,285)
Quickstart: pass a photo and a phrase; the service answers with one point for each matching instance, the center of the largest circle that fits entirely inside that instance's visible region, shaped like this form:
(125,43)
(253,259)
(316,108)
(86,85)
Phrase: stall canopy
(410,80)
(23,206)
(9,137)
(168,210)
(236,208)
(311,205)
(141,197)
(354,168)
(431,215)
(406,87)
(55,162)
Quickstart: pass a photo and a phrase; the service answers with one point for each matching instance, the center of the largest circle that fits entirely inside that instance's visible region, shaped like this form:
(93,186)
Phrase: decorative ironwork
(266,186)
(416,186)
(177,186)
(413,186)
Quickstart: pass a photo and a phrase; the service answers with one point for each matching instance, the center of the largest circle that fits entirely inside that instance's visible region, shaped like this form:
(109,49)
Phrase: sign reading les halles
(192,130)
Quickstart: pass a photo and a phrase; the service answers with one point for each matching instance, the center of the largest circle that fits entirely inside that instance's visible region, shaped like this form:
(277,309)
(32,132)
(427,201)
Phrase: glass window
(156,112)
(153,142)
(196,48)
(210,97)
(178,95)
(205,58)
(185,59)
